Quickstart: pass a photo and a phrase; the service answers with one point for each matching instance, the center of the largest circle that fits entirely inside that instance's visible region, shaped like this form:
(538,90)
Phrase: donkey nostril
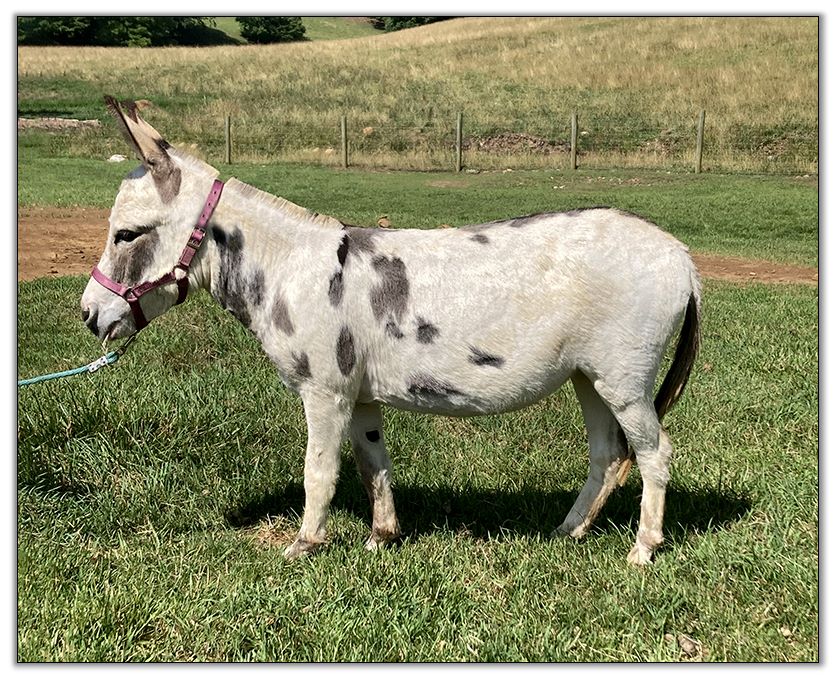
(92,321)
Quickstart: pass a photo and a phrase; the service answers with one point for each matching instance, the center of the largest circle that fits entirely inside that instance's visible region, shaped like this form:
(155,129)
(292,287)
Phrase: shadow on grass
(506,513)
(45,113)
(54,482)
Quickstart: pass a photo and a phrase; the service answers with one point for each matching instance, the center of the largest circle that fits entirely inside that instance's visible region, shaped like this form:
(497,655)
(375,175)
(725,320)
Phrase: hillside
(316,27)
(637,85)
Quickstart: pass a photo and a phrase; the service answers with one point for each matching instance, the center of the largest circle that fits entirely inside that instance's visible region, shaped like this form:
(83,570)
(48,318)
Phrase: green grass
(636,83)
(228,25)
(154,498)
(337,28)
(768,217)
(316,27)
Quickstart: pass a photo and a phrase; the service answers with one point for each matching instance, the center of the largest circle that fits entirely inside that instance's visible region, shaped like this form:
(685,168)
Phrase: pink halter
(133,294)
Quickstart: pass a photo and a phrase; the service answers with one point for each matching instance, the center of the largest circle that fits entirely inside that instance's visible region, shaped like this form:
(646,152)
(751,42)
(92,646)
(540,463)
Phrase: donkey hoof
(374,544)
(379,540)
(301,547)
(640,555)
(647,541)
(569,530)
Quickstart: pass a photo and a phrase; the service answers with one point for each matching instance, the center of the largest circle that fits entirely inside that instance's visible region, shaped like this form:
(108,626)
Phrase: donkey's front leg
(327,416)
(376,472)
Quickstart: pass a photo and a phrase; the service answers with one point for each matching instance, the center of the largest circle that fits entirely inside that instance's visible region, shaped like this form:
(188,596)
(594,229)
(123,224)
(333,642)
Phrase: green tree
(396,23)
(262,29)
(112,31)
(53,30)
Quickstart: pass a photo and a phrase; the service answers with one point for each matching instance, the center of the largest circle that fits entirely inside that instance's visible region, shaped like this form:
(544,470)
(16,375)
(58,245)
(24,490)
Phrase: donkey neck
(254,242)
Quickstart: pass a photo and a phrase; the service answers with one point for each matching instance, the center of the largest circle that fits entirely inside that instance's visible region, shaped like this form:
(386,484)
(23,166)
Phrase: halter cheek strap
(133,294)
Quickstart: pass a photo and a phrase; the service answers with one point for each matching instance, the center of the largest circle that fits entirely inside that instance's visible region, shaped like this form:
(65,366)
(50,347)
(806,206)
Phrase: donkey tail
(683,360)
(675,380)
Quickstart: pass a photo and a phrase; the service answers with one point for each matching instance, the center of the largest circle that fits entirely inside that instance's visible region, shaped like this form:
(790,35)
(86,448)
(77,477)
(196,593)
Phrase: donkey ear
(149,146)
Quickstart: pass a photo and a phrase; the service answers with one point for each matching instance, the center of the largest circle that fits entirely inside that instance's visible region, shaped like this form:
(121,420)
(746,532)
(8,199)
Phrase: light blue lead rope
(105,360)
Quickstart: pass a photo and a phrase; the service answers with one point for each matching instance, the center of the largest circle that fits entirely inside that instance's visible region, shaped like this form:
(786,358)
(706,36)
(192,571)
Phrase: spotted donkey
(463,321)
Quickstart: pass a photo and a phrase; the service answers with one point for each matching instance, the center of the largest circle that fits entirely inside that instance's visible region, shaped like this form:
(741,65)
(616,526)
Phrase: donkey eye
(126,236)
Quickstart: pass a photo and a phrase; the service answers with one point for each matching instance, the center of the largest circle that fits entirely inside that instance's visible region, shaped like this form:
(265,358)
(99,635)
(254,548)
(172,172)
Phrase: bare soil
(56,124)
(54,241)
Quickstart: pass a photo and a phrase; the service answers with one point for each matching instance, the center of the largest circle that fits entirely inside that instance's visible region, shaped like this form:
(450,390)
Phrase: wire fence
(593,142)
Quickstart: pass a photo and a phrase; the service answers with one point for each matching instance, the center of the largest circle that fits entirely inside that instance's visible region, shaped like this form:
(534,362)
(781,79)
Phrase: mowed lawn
(155,497)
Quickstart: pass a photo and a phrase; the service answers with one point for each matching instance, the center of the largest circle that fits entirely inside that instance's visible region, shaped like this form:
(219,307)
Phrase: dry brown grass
(630,79)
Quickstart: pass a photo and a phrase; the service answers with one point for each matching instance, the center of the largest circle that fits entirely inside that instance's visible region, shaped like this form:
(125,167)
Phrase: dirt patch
(737,269)
(54,241)
(56,124)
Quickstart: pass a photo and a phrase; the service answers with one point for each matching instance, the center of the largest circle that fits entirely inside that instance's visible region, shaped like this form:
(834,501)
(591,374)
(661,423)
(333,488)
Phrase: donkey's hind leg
(653,454)
(376,472)
(607,451)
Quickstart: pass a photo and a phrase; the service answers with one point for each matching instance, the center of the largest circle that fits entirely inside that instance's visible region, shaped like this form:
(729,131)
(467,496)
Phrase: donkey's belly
(437,393)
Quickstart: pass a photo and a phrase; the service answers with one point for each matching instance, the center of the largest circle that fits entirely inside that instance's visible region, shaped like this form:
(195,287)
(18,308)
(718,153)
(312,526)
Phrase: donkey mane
(287,208)
(191,161)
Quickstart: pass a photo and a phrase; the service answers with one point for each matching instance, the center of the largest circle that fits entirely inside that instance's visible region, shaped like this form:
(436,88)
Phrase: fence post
(700,131)
(227,140)
(459,142)
(344,134)
(573,153)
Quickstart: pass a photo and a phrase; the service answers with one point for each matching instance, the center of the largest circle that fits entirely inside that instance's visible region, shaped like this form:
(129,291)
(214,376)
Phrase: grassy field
(229,26)
(316,27)
(768,217)
(636,83)
(154,498)
(337,28)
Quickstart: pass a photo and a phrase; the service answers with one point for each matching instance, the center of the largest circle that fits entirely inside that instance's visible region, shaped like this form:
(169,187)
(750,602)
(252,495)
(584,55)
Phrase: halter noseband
(133,294)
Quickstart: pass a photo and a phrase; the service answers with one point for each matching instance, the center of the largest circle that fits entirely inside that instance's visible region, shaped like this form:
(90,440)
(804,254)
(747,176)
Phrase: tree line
(162,31)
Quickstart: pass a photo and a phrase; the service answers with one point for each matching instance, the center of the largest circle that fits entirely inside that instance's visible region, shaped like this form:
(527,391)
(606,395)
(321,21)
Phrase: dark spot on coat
(362,239)
(481,239)
(373,436)
(479,357)
(476,228)
(335,289)
(581,210)
(301,365)
(219,236)
(427,332)
(389,298)
(231,286)
(166,176)
(526,220)
(428,386)
(256,287)
(281,315)
(393,330)
(345,351)
(342,250)
(132,259)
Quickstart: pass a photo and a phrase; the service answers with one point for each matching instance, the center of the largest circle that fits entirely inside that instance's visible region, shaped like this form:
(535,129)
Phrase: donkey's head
(151,220)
